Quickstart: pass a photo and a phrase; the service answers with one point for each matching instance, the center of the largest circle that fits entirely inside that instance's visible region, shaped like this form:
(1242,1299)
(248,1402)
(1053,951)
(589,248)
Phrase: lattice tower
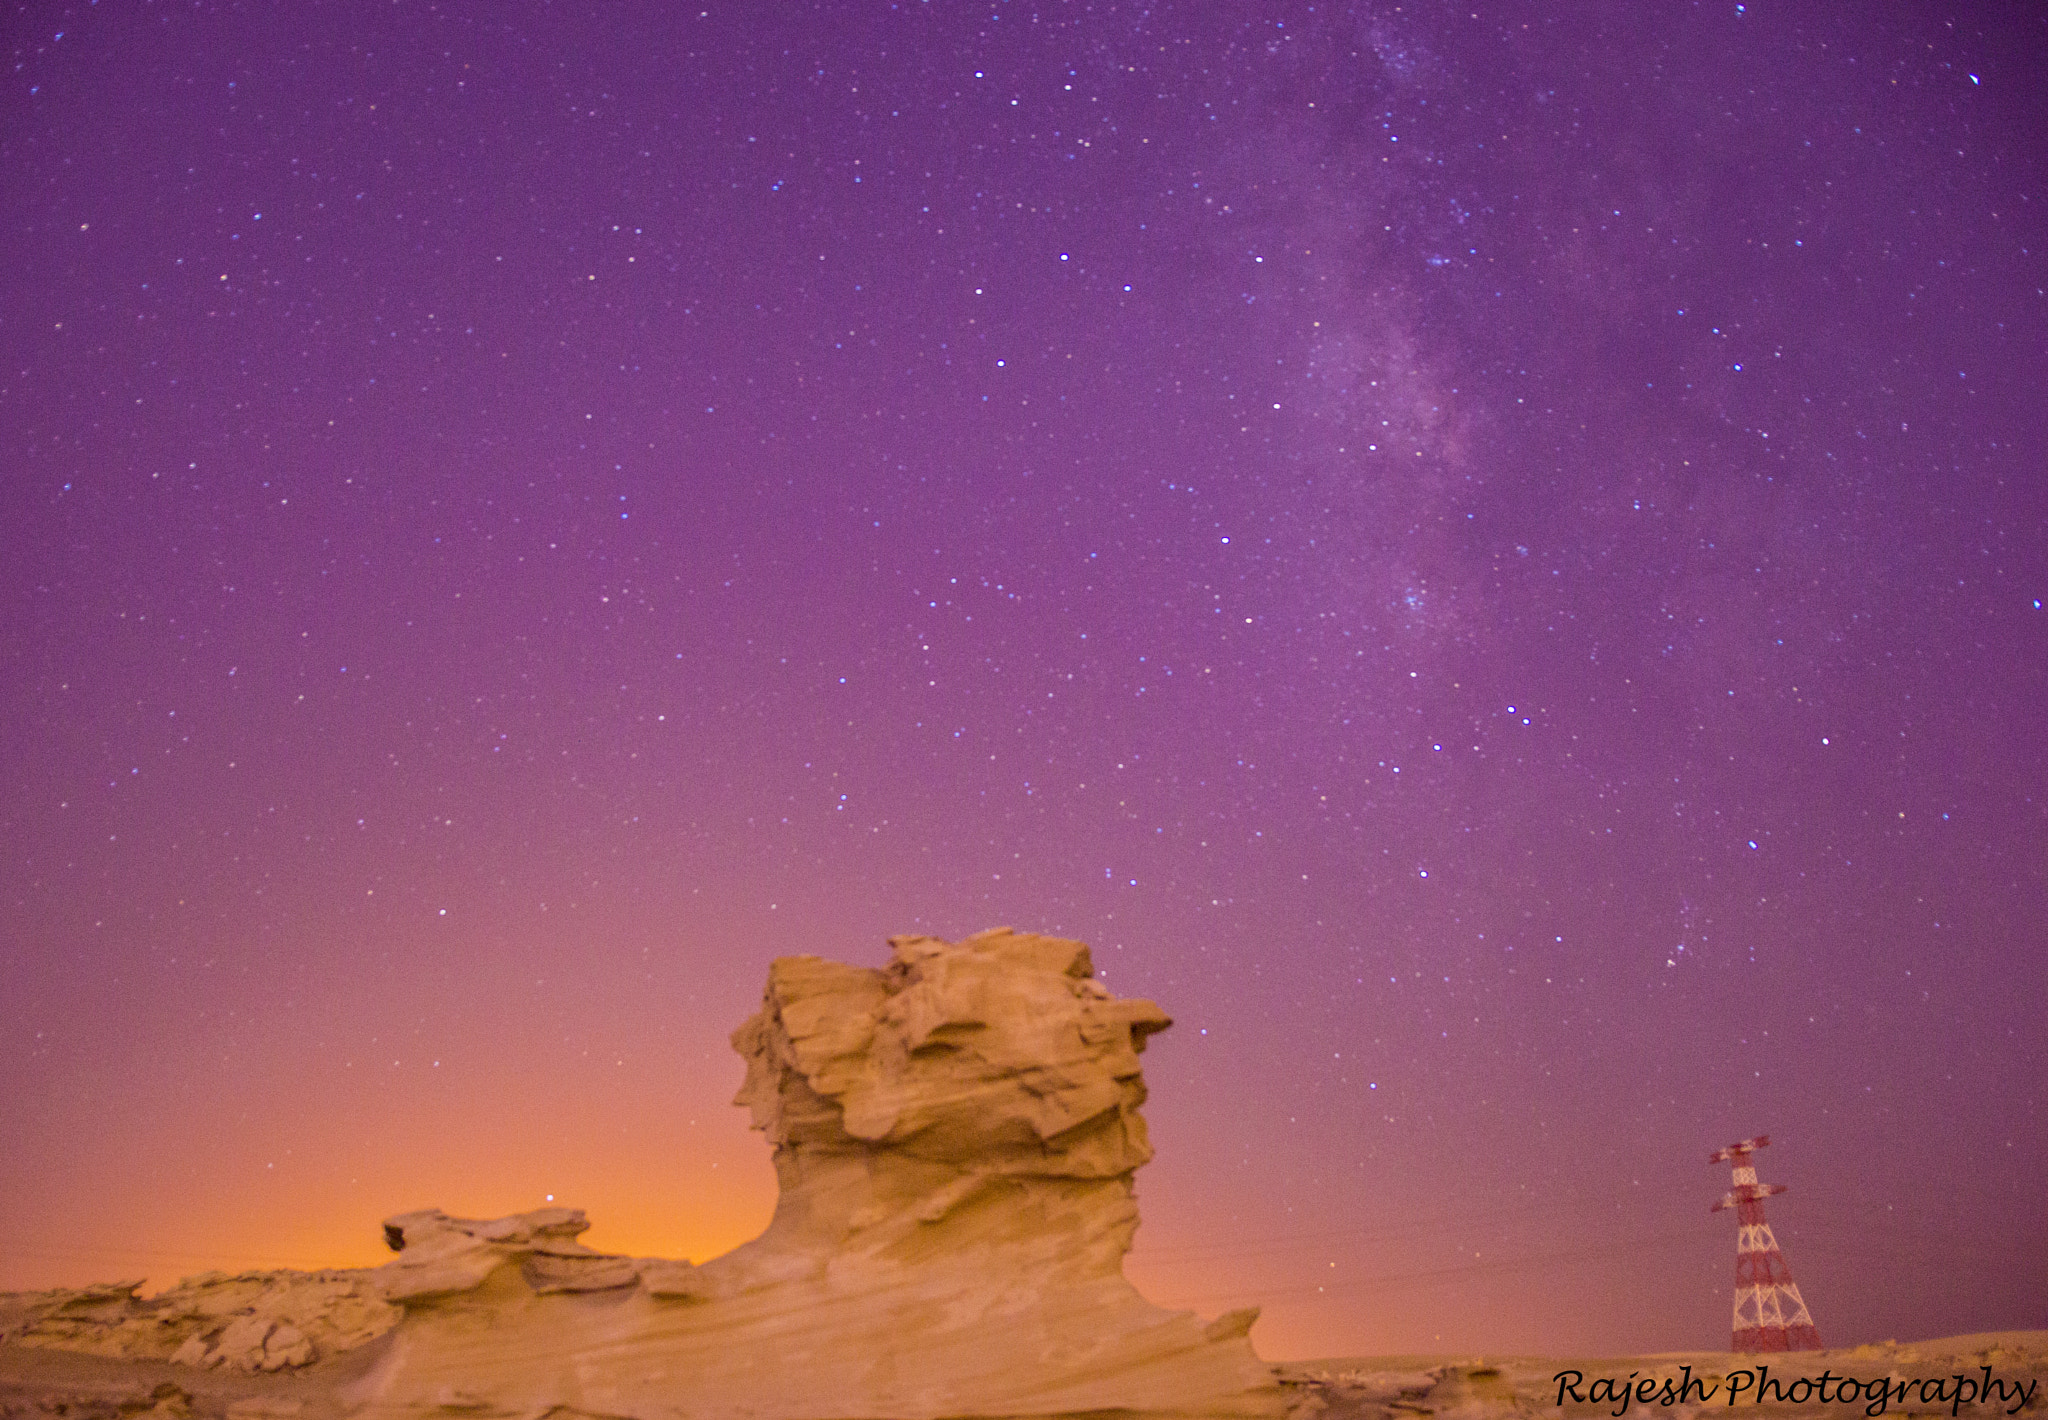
(1770,1315)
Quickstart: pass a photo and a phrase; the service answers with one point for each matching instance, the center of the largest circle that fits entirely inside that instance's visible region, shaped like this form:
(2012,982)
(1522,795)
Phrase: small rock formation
(955,1137)
(440,1255)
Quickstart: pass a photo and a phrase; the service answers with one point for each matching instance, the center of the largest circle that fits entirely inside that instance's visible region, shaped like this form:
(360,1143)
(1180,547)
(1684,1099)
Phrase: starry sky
(1489,557)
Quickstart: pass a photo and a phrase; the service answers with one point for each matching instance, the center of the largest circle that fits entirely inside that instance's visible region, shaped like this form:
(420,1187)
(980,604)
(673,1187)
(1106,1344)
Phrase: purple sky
(1488,557)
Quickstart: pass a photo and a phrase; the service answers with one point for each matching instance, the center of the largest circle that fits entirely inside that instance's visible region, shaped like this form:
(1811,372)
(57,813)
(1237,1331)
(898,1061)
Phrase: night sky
(1489,557)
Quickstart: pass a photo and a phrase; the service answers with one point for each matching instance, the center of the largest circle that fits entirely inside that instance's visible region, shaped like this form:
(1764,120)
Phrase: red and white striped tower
(1770,1315)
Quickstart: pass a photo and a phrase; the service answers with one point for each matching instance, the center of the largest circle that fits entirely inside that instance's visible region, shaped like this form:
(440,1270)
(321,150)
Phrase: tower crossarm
(1748,1193)
(1747,1146)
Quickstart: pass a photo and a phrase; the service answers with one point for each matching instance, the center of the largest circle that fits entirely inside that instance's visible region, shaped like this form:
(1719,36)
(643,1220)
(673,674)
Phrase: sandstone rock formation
(896,1099)
(955,1136)
(440,1255)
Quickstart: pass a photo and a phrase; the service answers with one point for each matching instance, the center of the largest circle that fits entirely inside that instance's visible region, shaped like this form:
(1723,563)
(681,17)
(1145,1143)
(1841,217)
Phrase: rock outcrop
(440,1256)
(997,1071)
(955,1136)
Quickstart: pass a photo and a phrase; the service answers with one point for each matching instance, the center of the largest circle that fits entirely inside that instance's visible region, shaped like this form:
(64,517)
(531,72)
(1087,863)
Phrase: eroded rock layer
(255,1321)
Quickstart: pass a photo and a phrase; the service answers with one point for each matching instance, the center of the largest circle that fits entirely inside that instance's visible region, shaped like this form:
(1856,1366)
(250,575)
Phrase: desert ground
(44,1382)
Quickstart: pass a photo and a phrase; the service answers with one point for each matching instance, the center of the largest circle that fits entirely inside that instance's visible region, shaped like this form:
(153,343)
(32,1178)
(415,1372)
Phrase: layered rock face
(955,1136)
(969,1098)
